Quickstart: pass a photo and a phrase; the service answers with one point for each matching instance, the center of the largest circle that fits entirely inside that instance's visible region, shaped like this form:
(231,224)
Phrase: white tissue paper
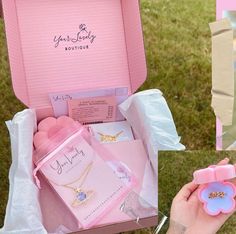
(151,120)
(23,213)
(150,117)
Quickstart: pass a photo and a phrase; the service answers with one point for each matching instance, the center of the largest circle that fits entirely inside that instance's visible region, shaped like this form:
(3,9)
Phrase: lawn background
(178,46)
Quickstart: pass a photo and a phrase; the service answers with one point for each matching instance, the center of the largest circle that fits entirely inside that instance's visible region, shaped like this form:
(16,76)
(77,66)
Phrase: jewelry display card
(86,184)
(112,132)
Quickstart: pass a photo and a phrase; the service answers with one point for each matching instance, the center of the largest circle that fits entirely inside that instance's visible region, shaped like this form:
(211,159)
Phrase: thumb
(186,191)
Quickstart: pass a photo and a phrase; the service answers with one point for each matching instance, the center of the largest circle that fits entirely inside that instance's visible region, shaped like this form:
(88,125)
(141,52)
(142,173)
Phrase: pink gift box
(48,54)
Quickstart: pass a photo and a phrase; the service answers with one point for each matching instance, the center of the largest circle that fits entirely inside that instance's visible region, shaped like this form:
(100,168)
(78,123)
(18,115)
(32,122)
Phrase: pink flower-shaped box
(216,194)
(52,132)
(49,128)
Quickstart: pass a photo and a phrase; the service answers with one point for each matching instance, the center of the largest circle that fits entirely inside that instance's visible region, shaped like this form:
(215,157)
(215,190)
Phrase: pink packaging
(224,5)
(221,6)
(47,55)
(116,221)
(115,58)
(70,164)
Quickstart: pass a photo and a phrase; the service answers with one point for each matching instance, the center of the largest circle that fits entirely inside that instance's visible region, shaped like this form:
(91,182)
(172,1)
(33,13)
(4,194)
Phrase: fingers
(186,191)
(223,162)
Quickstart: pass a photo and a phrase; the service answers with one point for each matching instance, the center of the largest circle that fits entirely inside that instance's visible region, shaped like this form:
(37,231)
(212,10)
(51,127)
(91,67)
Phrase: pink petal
(65,121)
(54,130)
(40,138)
(46,124)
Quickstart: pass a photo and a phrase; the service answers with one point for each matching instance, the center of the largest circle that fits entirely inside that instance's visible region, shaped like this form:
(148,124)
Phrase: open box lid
(61,45)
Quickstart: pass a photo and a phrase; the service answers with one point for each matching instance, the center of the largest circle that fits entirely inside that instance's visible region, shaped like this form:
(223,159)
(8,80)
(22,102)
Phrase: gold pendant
(217,194)
(82,196)
(109,138)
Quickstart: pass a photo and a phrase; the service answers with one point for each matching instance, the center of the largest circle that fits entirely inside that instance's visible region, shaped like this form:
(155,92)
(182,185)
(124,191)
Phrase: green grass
(9,106)
(176,170)
(178,47)
(177,40)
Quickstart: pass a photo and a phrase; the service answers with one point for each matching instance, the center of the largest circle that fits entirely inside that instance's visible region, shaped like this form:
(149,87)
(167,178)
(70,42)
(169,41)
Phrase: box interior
(55,212)
(47,55)
(104,64)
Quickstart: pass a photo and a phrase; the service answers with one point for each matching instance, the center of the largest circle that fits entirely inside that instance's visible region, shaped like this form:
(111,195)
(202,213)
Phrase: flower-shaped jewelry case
(216,193)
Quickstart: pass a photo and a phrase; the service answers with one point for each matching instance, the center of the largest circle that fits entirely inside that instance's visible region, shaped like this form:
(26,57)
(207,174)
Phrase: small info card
(93,110)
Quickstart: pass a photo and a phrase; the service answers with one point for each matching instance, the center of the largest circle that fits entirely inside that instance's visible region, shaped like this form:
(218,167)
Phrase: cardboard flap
(135,45)
(15,52)
(222,71)
(220,27)
(57,46)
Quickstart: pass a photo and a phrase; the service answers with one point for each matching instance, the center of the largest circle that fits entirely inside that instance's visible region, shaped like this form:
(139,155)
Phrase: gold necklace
(109,138)
(217,194)
(81,195)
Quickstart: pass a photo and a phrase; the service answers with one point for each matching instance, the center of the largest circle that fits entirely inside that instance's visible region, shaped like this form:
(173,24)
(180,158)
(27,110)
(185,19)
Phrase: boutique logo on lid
(81,40)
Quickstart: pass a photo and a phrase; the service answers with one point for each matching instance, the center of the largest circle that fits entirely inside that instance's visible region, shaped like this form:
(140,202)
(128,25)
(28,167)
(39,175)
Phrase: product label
(74,154)
(93,110)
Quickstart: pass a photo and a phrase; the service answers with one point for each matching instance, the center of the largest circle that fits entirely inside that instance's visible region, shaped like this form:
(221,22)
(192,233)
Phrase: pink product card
(55,214)
(60,100)
(93,110)
(86,184)
(134,156)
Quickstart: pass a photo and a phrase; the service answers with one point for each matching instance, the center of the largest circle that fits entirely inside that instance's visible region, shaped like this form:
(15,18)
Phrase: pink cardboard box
(0,9)
(57,46)
(113,55)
